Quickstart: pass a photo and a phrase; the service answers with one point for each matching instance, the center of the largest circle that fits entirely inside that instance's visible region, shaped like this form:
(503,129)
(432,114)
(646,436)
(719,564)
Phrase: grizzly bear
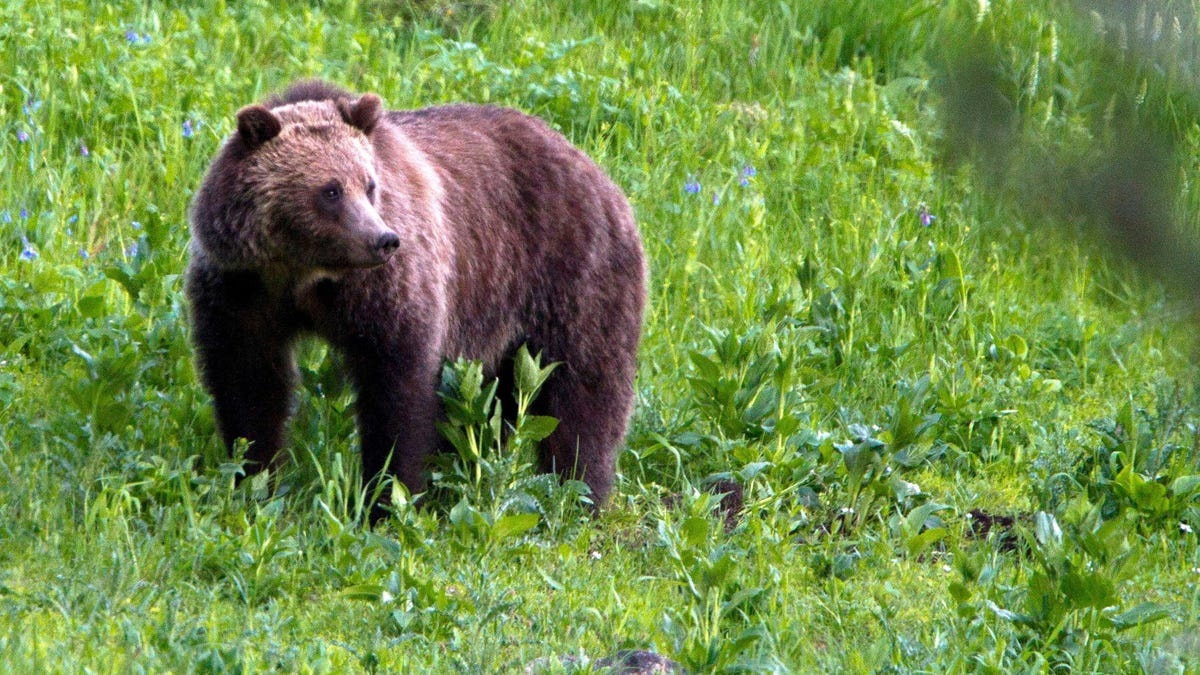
(406,238)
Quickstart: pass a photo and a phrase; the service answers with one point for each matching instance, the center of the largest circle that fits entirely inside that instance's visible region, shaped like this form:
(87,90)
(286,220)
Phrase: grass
(878,382)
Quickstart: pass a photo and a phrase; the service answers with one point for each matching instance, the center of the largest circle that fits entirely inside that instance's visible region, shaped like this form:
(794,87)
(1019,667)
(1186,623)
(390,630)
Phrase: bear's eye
(332,192)
(371,190)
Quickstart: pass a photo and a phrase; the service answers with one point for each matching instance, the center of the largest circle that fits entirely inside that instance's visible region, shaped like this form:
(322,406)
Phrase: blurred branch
(1141,98)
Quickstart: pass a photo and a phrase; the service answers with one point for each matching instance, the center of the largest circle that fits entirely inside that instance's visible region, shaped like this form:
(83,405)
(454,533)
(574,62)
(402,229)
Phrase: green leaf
(861,456)
(465,517)
(92,304)
(457,439)
(121,274)
(708,369)
(950,265)
(1014,617)
(472,381)
(529,373)
(1016,345)
(481,401)
(903,489)
(1088,589)
(1143,613)
(551,581)
(1046,528)
(959,592)
(752,470)
(1185,487)
(538,427)
(694,530)
(787,425)
(1150,496)
(916,545)
(514,525)
(368,592)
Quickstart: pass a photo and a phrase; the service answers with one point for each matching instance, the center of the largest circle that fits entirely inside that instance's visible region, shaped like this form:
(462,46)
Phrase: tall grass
(881,347)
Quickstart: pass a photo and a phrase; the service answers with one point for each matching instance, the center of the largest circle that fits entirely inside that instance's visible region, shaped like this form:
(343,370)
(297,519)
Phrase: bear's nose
(387,243)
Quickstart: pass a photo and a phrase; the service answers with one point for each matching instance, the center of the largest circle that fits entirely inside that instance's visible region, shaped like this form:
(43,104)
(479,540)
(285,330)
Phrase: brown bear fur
(405,238)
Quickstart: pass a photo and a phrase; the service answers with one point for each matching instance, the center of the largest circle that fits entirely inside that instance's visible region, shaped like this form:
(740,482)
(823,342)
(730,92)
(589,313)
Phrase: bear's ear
(257,125)
(363,113)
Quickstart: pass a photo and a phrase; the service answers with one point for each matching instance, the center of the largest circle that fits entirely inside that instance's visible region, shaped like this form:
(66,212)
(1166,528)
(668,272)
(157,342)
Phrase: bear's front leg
(245,362)
(397,410)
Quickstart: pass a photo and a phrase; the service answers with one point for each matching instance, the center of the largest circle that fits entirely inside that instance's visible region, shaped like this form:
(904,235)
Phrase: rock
(624,662)
(638,662)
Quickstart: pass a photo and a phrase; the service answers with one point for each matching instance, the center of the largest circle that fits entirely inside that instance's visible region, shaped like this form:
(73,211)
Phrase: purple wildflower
(24,213)
(27,252)
(716,198)
(749,171)
(926,217)
(72,219)
(187,129)
(31,106)
(84,254)
(22,136)
(131,36)
(132,251)
(83,149)
(692,186)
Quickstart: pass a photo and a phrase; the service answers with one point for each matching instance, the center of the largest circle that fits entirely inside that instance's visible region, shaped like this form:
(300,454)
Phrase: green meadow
(882,301)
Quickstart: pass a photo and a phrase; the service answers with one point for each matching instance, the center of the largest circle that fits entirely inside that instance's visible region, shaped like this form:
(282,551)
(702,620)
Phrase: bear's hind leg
(592,406)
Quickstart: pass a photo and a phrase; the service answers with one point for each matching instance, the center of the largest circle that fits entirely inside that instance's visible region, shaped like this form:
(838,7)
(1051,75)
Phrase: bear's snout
(386,244)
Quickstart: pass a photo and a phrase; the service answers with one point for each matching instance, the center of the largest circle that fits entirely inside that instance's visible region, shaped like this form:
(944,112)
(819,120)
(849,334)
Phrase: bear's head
(298,187)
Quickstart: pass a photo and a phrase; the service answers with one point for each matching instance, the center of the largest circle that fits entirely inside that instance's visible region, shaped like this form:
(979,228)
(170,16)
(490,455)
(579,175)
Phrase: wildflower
(926,217)
(187,129)
(692,186)
(84,254)
(31,106)
(27,252)
(22,136)
(716,198)
(24,213)
(748,172)
(72,219)
(6,217)
(136,225)
(132,251)
(131,36)
(83,149)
